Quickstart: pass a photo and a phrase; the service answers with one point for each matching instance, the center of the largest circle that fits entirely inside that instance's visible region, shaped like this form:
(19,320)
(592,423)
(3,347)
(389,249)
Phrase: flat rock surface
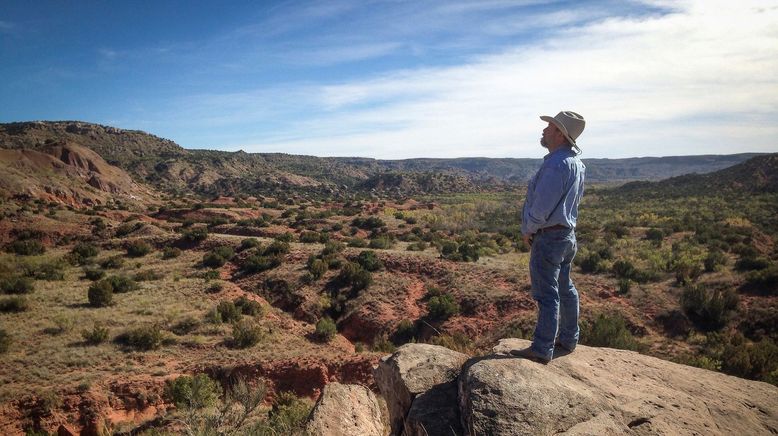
(607,391)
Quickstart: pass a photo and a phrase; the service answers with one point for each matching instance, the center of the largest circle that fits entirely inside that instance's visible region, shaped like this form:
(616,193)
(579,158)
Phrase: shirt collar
(556,152)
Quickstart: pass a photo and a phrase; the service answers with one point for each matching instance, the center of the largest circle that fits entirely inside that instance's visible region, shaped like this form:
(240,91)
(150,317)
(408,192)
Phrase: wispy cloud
(697,80)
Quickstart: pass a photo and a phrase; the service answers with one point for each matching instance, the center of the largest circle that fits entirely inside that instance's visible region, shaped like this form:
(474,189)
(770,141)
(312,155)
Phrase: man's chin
(543,143)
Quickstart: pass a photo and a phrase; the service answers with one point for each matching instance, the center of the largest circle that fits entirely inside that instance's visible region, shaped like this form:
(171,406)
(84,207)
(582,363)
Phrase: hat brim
(561,128)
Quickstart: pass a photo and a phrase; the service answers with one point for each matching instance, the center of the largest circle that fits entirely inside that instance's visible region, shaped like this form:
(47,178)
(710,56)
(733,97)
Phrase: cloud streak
(696,80)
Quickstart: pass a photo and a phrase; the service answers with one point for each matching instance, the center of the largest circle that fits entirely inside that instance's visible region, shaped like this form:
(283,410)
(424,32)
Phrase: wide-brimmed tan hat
(570,123)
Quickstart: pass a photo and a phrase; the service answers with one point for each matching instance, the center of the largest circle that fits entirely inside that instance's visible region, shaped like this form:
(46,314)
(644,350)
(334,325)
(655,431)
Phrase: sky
(396,79)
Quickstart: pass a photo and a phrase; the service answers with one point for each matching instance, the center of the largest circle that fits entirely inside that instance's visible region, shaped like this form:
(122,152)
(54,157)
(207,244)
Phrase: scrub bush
(14,304)
(100,294)
(708,309)
(608,331)
(369,261)
(138,249)
(326,329)
(17,285)
(196,392)
(96,336)
(442,307)
(228,311)
(170,252)
(143,338)
(318,268)
(246,333)
(26,248)
(5,341)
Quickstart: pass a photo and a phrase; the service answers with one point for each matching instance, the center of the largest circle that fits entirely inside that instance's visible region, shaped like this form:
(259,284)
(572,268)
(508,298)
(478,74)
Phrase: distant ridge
(166,166)
(756,175)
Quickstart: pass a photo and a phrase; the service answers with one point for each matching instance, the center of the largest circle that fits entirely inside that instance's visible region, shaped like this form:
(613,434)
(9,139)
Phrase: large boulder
(606,391)
(348,410)
(427,374)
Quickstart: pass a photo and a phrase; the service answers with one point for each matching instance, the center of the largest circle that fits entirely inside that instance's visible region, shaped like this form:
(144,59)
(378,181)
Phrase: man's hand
(528,240)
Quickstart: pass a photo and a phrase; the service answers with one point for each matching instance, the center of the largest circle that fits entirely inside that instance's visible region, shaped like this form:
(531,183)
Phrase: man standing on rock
(548,226)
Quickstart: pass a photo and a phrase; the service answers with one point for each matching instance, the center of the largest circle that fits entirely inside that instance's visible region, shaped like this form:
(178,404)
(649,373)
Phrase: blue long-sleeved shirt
(554,192)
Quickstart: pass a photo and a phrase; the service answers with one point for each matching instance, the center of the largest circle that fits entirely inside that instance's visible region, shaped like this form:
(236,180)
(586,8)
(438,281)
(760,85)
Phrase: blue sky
(401,79)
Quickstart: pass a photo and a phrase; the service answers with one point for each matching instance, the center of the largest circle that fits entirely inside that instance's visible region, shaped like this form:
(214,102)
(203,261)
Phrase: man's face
(551,136)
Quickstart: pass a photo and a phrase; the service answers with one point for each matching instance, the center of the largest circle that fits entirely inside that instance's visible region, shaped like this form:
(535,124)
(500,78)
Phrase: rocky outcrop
(348,410)
(592,391)
(419,384)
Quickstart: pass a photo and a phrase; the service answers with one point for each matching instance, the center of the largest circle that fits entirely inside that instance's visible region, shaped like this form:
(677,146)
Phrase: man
(548,226)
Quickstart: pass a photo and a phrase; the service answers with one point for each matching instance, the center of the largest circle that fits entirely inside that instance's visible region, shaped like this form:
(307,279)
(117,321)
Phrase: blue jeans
(549,268)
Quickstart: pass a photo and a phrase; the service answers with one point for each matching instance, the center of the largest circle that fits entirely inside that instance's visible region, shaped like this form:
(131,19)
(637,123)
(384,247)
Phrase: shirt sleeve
(549,188)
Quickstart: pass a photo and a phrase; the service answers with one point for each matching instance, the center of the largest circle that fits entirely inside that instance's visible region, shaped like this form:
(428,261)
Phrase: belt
(556,227)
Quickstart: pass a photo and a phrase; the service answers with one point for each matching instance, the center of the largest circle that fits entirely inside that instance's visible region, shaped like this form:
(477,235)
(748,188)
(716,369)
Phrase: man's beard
(543,142)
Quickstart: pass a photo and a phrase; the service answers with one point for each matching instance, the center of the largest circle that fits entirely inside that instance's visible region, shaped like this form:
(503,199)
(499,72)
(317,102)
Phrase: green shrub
(26,248)
(46,270)
(449,249)
(93,274)
(623,269)
(326,329)
(213,260)
(442,307)
(285,237)
(138,249)
(417,246)
(715,260)
(125,229)
(381,242)
(655,234)
(193,393)
(194,235)
(100,294)
(148,275)
(287,417)
(84,250)
(709,309)
(14,304)
(113,262)
(144,338)
(277,247)
(246,333)
(357,243)
(751,263)
(591,263)
(608,331)
(369,261)
(121,284)
(170,252)
(258,263)
(17,285)
(5,341)
(765,280)
(309,237)
(468,252)
(228,311)
(354,275)
(405,332)
(185,326)
(318,268)
(433,291)
(624,286)
(96,336)
(248,307)
(369,223)
(332,247)
(755,360)
(249,243)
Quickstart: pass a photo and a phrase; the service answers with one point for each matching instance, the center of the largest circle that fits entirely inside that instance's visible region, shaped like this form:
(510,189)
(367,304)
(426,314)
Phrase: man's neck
(553,148)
